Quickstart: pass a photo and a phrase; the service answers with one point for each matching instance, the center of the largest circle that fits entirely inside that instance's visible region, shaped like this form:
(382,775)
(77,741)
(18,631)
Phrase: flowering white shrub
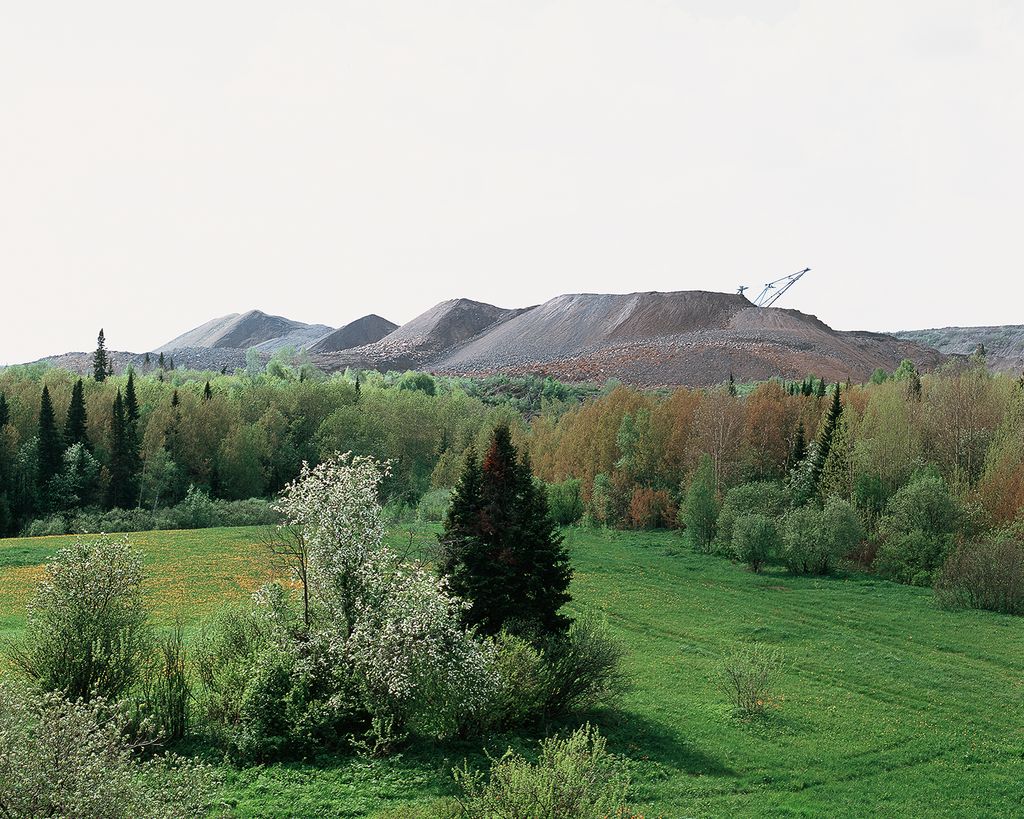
(417,661)
(378,648)
(61,758)
(335,508)
(88,632)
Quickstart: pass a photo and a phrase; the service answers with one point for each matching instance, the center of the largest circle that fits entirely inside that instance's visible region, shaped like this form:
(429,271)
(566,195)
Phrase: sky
(162,164)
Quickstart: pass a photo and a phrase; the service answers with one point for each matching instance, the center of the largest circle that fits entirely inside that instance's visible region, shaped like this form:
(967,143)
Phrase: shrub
(584,669)
(522,682)
(62,758)
(917,531)
(565,501)
(767,498)
(651,509)
(814,540)
(803,544)
(575,777)
(196,511)
(88,632)
(433,506)
(166,687)
(748,677)
(755,540)
(44,527)
(699,511)
(268,690)
(911,557)
(987,575)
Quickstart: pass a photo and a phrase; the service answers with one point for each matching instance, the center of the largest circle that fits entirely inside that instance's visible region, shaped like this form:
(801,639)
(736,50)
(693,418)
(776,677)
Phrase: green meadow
(887,706)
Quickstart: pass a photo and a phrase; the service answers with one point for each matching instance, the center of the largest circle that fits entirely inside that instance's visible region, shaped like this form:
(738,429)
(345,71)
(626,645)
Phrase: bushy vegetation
(575,776)
(61,757)
(749,675)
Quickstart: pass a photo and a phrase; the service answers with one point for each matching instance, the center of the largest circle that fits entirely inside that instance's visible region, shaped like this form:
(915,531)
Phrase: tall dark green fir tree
(100,362)
(121,492)
(501,550)
(828,430)
(75,431)
(207,392)
(5,411)
(50,451)
(131,401)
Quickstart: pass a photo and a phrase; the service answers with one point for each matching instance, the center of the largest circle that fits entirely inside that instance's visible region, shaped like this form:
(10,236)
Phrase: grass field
(890,706)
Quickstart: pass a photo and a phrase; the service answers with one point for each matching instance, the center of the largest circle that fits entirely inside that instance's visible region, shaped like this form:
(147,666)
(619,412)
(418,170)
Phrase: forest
(176,449)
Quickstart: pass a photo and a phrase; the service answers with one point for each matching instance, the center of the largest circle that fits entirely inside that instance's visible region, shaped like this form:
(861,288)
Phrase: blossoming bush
(71,758)
(88,631)
(383,651)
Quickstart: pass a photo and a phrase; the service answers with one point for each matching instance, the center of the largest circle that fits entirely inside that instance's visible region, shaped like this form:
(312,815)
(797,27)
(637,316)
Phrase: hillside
(1004,346)
(365,330)
(254,328)
(423,340)
(691,337)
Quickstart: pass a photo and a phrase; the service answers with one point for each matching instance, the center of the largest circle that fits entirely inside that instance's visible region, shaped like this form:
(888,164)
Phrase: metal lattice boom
(773,290)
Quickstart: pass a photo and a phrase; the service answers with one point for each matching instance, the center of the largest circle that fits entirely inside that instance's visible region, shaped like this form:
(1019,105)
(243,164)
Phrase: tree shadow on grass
(643,739)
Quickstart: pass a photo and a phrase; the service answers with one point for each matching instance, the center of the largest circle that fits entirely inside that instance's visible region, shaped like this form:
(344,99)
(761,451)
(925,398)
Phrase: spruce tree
(75,424)
(131,402)
(732,384)
(799,451)
(133,437)
(501,552)
(828,429)
(5,411)
(161,363)
(50,451)
(100,364)
(120,492)
(207,392)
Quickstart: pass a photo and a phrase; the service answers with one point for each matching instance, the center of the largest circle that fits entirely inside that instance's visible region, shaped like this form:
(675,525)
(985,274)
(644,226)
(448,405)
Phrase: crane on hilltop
(773,291)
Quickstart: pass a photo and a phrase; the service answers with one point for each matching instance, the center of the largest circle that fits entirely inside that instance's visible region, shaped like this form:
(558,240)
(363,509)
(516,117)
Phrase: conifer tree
(207,392)
(75,431)
(50,451)
(501,551)
(836,474)
(799,451)
(146,362)
(100,364)
(131,402)
(820,390)
(121,491)
(828,429)
(732,384)
(5,411)
(161,363)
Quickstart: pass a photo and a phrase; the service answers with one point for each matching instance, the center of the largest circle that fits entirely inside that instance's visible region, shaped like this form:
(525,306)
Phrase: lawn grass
(888,705)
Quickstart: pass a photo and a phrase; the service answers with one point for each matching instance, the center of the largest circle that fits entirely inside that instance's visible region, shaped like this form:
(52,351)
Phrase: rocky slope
(240,331)
(691,337)
(365,330)
(648,339)
(1004,346)
(425,339)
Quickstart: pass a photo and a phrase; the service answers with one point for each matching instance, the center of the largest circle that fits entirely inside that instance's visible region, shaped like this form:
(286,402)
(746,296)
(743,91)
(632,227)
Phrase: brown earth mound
(424,339)
(692,337)
(365,330)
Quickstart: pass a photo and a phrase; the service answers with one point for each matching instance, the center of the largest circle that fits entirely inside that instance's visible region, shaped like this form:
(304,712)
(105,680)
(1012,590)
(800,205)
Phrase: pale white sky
(161,164)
